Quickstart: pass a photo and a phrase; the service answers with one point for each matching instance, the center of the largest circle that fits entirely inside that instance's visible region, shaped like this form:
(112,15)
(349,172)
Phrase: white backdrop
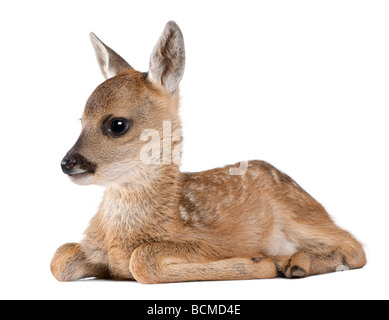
(300,84)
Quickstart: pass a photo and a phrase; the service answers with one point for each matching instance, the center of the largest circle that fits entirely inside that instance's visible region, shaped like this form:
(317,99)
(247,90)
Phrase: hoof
(298,272)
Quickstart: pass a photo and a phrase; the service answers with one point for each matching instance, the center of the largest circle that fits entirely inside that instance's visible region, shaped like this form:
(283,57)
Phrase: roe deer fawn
(156,224)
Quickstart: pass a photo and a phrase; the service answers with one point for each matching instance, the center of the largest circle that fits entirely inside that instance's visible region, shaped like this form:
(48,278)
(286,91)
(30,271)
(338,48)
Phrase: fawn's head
(122,108)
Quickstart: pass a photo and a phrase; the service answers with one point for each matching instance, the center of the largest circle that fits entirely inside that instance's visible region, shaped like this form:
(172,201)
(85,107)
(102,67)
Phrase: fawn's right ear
(109,61)
(167,61)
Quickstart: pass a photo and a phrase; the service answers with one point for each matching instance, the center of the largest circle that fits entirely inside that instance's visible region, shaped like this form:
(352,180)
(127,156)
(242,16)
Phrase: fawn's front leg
(69,263)
(172,262)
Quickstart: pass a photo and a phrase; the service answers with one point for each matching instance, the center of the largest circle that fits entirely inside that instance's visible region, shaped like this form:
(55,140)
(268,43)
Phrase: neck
(148,178)
(151,198)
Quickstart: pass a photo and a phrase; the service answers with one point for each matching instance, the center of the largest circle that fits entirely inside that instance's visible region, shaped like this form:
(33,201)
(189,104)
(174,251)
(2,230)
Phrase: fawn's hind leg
(69,263)
(170,262)
(348,255)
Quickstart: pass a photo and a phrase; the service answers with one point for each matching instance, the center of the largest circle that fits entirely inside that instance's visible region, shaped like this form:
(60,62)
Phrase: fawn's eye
(119,126)
(116,126)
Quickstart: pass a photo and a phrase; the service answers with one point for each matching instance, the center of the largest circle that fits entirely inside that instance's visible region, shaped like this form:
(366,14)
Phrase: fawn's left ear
(109,61)
(167,61)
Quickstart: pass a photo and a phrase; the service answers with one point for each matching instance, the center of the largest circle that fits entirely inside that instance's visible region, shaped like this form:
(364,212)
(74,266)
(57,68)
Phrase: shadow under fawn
(156,224)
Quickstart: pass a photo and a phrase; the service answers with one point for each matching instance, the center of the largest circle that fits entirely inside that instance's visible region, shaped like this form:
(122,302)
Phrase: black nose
(67,165)
(75,163)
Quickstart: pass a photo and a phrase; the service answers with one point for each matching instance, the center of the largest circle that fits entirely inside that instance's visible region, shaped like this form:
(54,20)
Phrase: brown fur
(157,224)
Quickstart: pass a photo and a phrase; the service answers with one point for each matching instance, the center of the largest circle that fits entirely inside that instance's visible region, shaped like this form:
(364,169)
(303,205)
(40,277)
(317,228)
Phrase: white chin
(82,178)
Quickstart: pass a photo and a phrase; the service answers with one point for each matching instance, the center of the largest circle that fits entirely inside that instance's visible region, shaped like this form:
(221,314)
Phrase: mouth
(81,177)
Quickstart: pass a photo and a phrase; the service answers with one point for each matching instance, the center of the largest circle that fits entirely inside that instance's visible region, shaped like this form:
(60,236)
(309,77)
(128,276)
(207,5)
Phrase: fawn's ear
(167,61)
(109,61)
